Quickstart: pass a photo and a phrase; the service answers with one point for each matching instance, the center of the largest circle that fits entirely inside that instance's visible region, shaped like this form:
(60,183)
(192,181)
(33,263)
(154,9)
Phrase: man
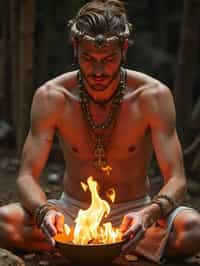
(107,119)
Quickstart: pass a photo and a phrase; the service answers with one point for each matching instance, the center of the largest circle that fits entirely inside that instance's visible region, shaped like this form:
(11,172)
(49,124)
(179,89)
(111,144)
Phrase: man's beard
(98,86)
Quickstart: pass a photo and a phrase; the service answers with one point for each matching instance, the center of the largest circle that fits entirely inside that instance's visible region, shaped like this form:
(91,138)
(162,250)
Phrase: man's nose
(98,68)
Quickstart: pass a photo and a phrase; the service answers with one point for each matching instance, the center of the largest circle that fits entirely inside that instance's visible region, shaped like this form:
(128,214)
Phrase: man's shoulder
(66,81)
(153,95)
(155,91)
(136,79)
(145,86)
(57,89)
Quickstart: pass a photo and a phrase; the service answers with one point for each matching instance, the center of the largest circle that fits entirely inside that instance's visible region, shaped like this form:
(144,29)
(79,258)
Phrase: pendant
(99,156)
(100,161)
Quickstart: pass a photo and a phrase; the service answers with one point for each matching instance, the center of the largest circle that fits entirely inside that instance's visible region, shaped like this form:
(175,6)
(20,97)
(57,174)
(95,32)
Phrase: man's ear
(124,51)
(125,47)
(75,46)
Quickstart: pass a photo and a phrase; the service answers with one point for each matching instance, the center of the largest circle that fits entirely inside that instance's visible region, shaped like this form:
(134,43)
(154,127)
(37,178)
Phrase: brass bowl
(87,254)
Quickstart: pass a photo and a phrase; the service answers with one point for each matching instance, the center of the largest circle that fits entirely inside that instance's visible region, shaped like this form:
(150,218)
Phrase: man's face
(99,66)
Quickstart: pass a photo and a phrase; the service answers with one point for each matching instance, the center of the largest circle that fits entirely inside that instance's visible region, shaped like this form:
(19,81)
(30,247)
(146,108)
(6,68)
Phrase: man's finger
(49,225)
(59,222)
(132,243)
(126,222)
(50,239)
(132,231)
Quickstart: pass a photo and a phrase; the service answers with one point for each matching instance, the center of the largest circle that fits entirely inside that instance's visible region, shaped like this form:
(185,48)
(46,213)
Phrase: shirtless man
(103,115)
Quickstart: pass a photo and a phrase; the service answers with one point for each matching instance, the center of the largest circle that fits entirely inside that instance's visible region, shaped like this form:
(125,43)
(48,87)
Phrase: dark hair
(102,17)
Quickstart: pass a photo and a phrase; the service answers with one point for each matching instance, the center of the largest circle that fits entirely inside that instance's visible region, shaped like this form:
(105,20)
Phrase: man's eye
(110,59)
(87,58)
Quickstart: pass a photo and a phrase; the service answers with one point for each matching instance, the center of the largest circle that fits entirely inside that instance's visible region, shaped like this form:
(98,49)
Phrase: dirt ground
(52,185)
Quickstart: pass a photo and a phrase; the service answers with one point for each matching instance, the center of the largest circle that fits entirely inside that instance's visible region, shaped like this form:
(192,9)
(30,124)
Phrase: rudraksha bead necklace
(96,130)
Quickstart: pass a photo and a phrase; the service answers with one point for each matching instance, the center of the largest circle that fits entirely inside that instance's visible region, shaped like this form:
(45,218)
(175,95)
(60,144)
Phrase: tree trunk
(162,23)
(42,45)
(192,152)
(185,72)
(2,54)
(14,52)
(5,59)
(26,37)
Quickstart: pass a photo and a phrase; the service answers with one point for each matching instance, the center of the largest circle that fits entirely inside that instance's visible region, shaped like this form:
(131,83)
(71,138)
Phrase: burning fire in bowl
(90,240)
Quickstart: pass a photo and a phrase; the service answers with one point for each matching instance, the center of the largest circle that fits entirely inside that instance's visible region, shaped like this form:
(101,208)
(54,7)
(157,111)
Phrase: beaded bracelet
(160,205)
(41,211)
(170,200)
(164,211)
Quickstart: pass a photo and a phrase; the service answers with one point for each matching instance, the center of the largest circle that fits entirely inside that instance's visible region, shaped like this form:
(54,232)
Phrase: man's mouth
(99,79)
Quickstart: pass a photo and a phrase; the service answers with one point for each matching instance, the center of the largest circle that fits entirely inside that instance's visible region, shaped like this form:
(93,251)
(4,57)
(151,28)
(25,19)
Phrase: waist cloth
(151,246)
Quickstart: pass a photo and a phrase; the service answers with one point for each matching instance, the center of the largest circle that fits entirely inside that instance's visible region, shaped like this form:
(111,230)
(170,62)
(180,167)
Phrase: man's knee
(15,213)
(188,236)
(8,230)
(191,223)
(5,215)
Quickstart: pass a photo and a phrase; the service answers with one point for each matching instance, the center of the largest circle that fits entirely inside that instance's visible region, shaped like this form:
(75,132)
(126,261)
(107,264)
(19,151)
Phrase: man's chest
(127,134)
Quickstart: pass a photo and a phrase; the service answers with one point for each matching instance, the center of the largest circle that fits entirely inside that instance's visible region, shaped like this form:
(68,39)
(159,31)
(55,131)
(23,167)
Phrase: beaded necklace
(98,136)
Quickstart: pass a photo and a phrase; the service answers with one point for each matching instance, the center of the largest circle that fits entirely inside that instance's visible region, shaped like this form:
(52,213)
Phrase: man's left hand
(133,227)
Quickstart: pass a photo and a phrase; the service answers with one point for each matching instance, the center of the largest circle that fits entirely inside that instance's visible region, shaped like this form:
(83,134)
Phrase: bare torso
(146,121)
(128,153)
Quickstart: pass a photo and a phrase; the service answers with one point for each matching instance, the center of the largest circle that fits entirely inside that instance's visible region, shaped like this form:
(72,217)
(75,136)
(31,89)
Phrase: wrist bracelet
(161,201)
(170,200)
(41,211)
(160,205)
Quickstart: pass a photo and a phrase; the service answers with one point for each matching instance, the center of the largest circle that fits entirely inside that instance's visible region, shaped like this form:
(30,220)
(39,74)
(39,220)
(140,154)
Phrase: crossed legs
(17,229)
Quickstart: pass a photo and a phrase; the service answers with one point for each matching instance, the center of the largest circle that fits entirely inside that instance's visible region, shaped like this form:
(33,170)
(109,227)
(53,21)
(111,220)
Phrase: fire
(111,194)
(107,169)
(84,186)
(88,228)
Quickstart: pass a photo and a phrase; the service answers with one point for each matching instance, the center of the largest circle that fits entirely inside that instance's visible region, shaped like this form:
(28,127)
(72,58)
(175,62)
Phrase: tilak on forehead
(100,40)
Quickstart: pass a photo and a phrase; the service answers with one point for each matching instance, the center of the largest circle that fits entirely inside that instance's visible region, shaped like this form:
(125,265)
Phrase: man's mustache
(97,76)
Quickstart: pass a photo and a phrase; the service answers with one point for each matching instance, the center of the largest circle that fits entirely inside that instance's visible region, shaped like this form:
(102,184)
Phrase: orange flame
(111,194)
(88,228)
(84,186)
(67,229)
(107,169)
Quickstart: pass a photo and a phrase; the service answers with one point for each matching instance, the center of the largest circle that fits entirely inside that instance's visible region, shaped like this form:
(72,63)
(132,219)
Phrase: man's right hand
(52,224)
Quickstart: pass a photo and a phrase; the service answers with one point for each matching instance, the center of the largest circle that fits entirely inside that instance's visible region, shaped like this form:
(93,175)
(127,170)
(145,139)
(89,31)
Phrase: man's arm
(159,113)
(46,107)
(159,110)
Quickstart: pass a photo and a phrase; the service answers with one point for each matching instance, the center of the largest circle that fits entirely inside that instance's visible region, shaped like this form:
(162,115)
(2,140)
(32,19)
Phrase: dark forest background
(34,48)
